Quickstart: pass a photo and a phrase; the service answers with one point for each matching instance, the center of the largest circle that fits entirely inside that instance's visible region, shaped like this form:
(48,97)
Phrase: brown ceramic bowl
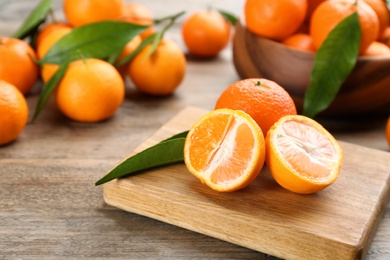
(366,92)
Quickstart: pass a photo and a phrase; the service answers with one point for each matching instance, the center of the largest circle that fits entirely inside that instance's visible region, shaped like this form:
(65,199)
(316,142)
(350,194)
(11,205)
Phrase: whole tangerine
(275,19)
(205,33)
(300,41)
(127,50)
(90,91)
(330,13)
(380,8)
(82,12)
(48,70)
(139,14)
(48,28)
(377,49)
(13,111)
(264,100)
(17,65)
(160,73)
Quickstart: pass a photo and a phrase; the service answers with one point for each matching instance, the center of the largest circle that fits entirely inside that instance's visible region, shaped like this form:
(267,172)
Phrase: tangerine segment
(225,149)
(302,156)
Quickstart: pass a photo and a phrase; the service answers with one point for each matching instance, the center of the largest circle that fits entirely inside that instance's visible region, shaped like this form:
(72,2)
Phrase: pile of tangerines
(304,24)
(92,89)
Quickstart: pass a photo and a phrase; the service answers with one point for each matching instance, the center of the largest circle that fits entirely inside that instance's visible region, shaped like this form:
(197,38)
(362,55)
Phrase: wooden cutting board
(336,223)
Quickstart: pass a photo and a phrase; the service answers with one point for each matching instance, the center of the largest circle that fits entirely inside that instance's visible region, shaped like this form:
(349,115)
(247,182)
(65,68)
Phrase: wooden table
(49,206)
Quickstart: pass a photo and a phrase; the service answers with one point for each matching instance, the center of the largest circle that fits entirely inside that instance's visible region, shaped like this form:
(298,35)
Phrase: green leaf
(333,63)
(97,40)
(129,57)
(179,135)
(166,152)
(156,40)
(36,17)
(229,16)
(48,89)
(113,57)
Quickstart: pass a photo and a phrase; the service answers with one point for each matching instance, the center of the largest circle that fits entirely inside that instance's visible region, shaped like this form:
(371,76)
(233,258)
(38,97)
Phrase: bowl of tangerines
(333,55)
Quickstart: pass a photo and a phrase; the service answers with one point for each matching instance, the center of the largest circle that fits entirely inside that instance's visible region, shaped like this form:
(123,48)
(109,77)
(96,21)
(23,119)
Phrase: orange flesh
(225,149)
(306,150)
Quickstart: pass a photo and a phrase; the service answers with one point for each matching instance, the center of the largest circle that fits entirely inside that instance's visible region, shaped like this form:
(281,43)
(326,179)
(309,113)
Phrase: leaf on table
(333,63)
(179,135)
(35,18)
(96,40)
(168,151)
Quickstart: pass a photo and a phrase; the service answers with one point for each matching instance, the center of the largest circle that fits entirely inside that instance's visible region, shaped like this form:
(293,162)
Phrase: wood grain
(49,206)
(336,223)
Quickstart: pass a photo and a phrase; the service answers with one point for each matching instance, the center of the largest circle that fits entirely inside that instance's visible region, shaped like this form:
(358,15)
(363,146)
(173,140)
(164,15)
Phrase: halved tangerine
(302,155)
(225,149)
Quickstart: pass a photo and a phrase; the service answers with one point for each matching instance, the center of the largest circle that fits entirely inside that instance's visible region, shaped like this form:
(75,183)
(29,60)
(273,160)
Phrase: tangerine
(301,155)
(205,33)
(264,100)
(311,6)
(139,14)
(225,150)
(275,19)
(82,12)
(13,111)
(380,8)
(48,29)
(330,13)
(300,41)
(377,49)
(127,50)
(17,65)
(90,91)
(160,73)
(48,70)
(385,38)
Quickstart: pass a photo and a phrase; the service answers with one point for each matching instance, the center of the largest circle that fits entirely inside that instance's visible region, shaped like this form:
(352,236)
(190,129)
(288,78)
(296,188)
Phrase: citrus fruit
(139,14)
(225,150)
(17,65)
(330,13)
(48,70)
(48,29)
(311,6)
(386,37)
(127,50)
(81,12)
(388,131)
(160,73)
(380,8)
(300,41)
(275,19)
(13,111)
(301,155)
(264,100)
(90,91)
(376,49)
(205,33)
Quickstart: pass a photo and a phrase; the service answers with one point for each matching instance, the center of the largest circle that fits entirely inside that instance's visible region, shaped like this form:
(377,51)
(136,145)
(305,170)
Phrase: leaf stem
(171,17)
(154,38)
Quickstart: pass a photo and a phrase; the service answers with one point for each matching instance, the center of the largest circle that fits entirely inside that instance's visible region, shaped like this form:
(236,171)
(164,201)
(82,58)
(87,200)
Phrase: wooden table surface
(49,206)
